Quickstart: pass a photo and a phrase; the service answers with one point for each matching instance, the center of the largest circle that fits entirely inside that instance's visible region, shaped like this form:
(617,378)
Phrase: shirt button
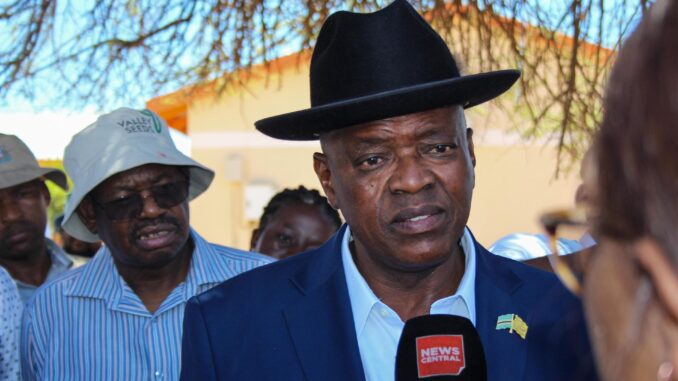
(157,373)
(383,312)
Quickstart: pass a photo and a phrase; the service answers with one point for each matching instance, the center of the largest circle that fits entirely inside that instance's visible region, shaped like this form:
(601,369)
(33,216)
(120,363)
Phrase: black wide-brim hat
(367,67)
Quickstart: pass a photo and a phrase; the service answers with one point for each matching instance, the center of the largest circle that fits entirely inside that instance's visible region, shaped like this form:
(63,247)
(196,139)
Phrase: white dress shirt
(378,327)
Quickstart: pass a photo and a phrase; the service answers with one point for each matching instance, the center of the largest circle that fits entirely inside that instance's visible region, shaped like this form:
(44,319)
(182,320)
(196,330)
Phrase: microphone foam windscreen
(440,347)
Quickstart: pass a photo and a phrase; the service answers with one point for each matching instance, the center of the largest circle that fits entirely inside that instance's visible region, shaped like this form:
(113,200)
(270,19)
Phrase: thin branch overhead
(123,52)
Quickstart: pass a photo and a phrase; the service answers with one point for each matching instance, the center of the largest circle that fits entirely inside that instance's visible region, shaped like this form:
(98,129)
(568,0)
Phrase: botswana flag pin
(513,323)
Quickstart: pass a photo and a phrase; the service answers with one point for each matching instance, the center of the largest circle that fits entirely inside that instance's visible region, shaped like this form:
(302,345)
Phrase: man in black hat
(387,105)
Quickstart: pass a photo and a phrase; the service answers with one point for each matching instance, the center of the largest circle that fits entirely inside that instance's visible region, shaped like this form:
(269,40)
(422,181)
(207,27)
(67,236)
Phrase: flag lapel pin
(513,323)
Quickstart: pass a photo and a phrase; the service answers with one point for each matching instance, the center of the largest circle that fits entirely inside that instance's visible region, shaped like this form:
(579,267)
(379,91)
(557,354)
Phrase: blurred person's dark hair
(637,147)
(300,195)
(294,221)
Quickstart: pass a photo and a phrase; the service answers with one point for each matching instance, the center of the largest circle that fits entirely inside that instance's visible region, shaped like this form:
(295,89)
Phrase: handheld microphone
(440,347)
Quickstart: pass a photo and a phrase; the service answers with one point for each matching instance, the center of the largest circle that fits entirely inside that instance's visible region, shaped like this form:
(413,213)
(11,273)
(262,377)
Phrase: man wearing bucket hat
(387,104)
(29,257)
(120,316)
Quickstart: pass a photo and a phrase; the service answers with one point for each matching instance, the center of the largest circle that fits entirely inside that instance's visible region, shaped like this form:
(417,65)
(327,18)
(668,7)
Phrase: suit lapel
(505,352)
(321,322)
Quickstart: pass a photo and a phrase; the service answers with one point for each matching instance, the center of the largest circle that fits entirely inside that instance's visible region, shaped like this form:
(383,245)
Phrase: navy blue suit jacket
(292,320)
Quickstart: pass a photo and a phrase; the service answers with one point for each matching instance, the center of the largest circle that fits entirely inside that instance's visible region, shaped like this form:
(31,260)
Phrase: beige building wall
(515,179)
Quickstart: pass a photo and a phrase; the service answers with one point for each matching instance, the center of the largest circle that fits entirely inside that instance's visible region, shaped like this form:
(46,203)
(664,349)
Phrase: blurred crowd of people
(128,290)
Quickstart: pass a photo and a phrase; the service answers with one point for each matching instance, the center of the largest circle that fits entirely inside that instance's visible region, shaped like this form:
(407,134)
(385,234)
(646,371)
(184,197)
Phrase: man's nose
(149,207)
(411,175)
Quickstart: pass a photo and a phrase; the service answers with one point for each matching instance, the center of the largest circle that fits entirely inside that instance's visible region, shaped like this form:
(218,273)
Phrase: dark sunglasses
(130,206)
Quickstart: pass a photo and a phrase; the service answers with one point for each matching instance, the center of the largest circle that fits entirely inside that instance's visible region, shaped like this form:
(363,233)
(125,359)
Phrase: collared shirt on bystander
(107,331)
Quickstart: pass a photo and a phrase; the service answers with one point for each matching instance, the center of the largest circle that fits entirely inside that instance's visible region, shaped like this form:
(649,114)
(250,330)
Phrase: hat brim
(467,91)
(56,176)
(24,175)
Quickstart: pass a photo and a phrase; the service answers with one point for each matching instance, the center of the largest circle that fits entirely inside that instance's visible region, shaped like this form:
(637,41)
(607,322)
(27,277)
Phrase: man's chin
(438,240)
(420,256)
(156,258)
(18,252)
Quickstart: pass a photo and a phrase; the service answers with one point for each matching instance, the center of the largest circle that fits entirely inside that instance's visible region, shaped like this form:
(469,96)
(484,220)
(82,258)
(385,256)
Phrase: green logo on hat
(157,123)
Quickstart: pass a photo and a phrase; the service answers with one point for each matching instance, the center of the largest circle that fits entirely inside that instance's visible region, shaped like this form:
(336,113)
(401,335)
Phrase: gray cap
(116,142)
(18,165)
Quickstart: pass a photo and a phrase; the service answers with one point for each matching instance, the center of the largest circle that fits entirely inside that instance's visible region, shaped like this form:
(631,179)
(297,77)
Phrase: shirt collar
(363,298)
(359,292)
(100,279)
(467,286)
(203,270)
(58,256)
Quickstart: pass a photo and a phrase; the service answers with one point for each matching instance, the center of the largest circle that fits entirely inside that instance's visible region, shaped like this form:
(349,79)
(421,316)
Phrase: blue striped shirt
(89,324)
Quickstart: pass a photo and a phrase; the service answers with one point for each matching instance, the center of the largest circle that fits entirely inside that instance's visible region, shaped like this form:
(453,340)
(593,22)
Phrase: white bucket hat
(116,142)
(18,165)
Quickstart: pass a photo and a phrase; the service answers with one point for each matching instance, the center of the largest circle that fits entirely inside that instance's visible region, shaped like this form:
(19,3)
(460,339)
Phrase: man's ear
(255,237)
(87,215)
(322,170)
(471,149)
(654,260)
